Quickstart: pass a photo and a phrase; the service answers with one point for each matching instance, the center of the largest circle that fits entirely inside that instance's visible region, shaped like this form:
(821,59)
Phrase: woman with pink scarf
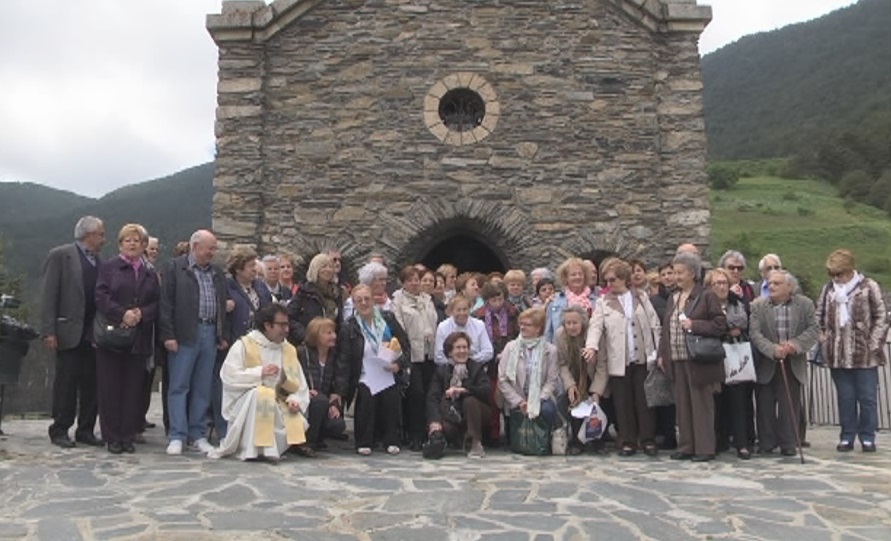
(574,276)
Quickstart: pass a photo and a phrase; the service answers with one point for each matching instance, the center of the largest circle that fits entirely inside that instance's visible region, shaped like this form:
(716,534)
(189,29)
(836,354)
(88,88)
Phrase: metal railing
(822,403)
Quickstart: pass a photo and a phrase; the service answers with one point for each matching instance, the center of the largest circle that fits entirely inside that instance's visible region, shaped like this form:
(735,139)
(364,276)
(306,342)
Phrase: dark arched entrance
(464,251)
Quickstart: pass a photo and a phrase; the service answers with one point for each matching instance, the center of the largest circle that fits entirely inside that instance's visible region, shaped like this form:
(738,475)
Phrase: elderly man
(193,305)
(66,322)
(768,264)
(783,328)
(152,250)
(265,394)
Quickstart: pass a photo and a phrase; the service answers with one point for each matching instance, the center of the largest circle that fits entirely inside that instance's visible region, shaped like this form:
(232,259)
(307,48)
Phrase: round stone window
(461,109)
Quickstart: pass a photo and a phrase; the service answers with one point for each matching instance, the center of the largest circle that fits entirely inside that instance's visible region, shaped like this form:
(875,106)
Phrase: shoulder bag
(703,349)
(115,337)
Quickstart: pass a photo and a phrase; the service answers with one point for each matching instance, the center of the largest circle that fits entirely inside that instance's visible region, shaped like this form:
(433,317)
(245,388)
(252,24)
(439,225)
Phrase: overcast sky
(96,94)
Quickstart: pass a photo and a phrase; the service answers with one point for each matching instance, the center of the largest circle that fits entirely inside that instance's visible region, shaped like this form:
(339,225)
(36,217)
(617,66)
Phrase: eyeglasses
(773,267)
(735,267)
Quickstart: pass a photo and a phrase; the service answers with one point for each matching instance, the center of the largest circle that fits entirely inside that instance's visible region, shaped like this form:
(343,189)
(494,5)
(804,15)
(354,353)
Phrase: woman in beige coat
(530,358)
(626,326)
(414,310)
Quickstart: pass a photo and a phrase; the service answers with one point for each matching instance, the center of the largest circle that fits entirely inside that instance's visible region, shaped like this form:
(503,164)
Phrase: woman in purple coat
(127,294)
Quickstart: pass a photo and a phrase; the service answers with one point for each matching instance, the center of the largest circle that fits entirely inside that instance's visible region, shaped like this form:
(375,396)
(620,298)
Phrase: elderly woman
(638,278)
(127,295)
(450,273)
(414,310)
(574,276)
(626,327)
(318,296)
(544,293)
(433,285)
(459,320)
(735,263)
(853,322)
(461,385)
(316,357)
(734,406)
(581,379)
(468,284)
(528,371)
(515,282)
(374,275)
(364,372)
(692,309)
(286,276)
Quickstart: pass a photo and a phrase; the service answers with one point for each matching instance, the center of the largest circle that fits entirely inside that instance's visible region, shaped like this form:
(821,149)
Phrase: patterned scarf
(502,322)
(378,332)
(533,401)
(459,374)
(582,299)
(841,298)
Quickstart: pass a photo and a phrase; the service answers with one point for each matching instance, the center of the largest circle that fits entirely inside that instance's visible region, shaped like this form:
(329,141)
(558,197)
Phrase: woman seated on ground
(458,399)
(527,373)
(325,405)
(584,375)
(359,371)
(625,326)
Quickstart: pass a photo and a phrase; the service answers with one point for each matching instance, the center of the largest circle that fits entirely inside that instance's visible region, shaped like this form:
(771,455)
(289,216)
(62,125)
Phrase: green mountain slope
(769,94)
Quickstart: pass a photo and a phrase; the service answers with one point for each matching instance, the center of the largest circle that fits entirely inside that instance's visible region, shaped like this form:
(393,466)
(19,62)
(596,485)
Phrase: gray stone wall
(322,136)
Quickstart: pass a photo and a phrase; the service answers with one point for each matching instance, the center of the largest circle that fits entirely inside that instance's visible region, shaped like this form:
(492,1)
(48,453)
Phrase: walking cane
(793,420)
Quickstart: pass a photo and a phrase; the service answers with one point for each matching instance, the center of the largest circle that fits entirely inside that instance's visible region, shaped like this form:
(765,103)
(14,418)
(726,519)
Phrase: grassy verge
(802,221)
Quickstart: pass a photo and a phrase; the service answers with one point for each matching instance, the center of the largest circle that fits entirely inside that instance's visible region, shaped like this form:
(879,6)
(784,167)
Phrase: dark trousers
(776,422)
(320,425)
(415,402)
(666,426)
(477,415)
(696,412)
(377,414)
(735,416)
(74,391)
(637,422)
(120,378)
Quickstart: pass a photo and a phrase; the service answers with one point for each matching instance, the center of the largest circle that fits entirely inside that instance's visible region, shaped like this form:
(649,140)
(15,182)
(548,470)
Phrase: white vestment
(239,405)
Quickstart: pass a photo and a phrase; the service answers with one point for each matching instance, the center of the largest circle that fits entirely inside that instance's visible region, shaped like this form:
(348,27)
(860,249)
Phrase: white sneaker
(175,447)
(203,445)
(476,450)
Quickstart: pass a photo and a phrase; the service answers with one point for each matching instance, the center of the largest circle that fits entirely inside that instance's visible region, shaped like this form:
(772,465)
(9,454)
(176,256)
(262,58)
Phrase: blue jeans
(858,411)
(548,412)
(191,377)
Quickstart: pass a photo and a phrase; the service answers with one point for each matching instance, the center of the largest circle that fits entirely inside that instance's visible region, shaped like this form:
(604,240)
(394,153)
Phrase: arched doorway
(464,251)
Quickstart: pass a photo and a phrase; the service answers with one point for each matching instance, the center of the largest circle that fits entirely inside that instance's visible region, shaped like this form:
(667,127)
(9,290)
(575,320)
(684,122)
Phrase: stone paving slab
(51,494)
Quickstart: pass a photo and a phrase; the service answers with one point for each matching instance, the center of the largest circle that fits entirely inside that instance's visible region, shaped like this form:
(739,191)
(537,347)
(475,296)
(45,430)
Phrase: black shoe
(63,441)
(146,425)
(650,449)
(743,454)
(627,451)
(129,448)
(115,448)
(868,446)
(702,458)
(415,446)
(766,452)
(90,439)
(678,455)
(844,446)
(320,446)
(789,452)
(304,450)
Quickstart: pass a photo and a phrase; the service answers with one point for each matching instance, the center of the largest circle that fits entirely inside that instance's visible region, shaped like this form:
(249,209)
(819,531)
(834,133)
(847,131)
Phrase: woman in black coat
(127,295)
(361,348)
(458,399)
(318,296)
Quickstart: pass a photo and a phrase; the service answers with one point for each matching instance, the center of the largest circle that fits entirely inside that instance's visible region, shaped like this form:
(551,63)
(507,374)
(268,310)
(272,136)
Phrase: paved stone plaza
(52,494)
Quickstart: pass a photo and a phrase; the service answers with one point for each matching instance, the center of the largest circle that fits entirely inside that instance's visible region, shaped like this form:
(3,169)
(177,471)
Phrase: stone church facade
(521,131)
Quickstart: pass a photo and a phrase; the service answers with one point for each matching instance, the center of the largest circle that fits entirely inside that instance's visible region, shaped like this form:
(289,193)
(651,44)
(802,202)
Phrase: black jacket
(306,305)
(351,349)
(309,360)
(178,318)
(476,383)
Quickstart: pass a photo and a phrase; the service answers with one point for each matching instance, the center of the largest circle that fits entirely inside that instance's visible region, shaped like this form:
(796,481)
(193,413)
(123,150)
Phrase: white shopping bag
(739,364)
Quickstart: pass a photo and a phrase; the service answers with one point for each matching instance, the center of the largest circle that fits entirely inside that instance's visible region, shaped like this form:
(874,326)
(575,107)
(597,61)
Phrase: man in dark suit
(193,307)
(66,322)
(783,328)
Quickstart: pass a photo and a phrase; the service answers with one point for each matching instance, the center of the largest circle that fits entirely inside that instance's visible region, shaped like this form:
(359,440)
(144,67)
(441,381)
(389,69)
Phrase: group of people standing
(275,365)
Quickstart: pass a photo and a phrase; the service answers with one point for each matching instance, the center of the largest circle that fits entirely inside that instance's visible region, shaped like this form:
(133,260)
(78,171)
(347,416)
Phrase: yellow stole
(270,399)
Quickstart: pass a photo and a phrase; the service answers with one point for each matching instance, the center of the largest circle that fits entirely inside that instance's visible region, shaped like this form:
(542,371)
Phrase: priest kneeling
(265,395)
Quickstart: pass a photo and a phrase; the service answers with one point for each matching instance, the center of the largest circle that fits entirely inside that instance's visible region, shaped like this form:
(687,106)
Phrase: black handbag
(108,336)
(434,449)
(703,349)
